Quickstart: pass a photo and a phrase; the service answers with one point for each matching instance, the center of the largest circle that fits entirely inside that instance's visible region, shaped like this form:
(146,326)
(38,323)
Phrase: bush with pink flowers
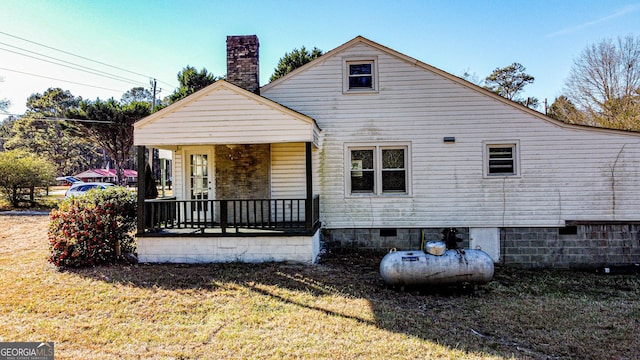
(93,228)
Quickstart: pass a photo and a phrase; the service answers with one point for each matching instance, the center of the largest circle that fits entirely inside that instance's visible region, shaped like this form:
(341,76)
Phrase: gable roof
(223,113)
(362,40)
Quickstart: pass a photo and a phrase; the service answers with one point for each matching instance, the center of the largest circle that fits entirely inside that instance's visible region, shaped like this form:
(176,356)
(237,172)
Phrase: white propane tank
(400,268)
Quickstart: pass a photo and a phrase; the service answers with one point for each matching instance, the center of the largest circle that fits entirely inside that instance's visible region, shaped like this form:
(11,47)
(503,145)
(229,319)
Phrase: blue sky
(156,38)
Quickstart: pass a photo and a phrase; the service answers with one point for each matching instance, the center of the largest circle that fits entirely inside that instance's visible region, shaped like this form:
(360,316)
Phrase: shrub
(88,229)
(22,170)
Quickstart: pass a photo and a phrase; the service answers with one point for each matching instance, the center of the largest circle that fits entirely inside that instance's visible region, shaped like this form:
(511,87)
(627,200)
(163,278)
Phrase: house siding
(566,173)
(178,184)
(223,117)
(288,176)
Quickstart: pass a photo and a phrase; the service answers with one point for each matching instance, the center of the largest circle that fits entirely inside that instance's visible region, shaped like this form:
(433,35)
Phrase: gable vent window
(360,75)
(501,159)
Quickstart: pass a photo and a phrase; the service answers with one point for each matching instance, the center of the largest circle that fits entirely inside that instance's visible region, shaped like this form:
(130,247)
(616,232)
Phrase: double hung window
(360,75)
(377,170)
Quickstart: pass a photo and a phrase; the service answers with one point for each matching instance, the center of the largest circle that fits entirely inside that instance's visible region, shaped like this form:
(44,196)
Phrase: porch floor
(235,231)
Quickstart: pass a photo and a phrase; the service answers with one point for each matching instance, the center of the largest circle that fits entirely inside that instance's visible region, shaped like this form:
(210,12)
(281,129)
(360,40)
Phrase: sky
(110,46)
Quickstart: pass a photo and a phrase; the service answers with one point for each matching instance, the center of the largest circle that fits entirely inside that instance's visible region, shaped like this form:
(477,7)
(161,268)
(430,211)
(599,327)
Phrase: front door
(200,185)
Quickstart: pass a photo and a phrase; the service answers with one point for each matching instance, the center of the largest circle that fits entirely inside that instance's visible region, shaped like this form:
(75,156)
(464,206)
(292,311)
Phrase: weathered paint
(566,172)
(223,114)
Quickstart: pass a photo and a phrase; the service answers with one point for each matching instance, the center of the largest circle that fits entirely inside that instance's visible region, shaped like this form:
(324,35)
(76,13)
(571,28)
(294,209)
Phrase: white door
(487,240)
(200,185)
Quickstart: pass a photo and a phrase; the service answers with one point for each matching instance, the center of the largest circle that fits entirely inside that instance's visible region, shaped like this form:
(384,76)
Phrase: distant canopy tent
(106,175)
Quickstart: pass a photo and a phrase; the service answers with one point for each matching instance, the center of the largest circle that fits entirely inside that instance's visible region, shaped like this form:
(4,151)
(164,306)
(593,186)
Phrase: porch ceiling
(224,114)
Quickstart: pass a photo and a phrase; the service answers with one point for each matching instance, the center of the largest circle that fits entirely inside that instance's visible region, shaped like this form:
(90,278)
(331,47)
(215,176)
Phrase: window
(377,170)
(501,159)
(360,75)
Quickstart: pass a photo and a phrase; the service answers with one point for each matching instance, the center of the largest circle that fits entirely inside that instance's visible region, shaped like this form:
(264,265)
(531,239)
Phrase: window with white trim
(501,159)
(378,170)
(360,75)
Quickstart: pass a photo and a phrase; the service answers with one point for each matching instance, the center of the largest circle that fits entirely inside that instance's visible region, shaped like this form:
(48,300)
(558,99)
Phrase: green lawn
(339,309)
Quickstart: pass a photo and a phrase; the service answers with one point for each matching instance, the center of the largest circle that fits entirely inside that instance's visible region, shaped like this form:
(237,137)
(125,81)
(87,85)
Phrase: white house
(368,147)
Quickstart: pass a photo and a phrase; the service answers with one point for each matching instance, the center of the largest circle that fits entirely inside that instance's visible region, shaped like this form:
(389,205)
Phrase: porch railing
(288,215)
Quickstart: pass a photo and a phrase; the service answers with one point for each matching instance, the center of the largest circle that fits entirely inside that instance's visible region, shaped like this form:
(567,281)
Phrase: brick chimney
(243,68)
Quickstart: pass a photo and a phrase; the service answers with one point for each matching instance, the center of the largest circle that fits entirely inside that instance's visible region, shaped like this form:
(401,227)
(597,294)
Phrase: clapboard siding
(288,171)
(224,116)
(178,171)
(566,172)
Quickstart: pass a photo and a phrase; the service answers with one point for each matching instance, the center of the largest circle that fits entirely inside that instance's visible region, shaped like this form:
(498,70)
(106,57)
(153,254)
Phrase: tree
(20,170)
(5,130)
(604,83)
(293,60)
(509,82)
(563,109)
(472,78)
(42,131)
(111,126)
(191,80)
(136,94)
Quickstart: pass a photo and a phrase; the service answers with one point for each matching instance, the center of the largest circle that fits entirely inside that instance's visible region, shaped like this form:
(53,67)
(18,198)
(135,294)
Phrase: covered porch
(243,169)
(234,216)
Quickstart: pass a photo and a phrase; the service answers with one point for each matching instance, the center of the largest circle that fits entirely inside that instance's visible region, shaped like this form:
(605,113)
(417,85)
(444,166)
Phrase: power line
(90,71)
(81,57)
(49,118)
(67,81)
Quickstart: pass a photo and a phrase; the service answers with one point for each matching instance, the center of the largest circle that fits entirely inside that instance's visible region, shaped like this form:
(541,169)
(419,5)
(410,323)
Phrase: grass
(339,309)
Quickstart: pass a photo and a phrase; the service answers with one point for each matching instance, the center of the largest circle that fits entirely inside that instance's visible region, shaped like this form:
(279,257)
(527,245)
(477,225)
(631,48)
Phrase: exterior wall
(566,172)
(288,176)
(377,239)
(284,170)
(304,249)
(178,174)
(593,245)
(222,116)
(242,172)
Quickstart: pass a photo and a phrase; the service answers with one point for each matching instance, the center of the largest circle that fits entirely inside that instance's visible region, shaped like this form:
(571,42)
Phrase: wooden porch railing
(287,215)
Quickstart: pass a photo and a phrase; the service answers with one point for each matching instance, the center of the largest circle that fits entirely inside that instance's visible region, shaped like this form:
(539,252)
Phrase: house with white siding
(367,147)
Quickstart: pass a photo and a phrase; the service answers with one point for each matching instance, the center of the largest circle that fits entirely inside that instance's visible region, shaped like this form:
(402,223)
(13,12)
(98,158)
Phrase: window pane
(362,181)
(393,159)
(360,69)
(360,82)
(501,152)
(501,160)
(501,167)
(394,181)
(361,159)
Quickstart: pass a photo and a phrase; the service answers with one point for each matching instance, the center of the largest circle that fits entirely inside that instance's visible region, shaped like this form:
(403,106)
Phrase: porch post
(141,187)
(308,204)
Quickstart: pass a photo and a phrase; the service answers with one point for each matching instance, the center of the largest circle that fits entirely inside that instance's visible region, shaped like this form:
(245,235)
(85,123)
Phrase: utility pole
(153,84)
